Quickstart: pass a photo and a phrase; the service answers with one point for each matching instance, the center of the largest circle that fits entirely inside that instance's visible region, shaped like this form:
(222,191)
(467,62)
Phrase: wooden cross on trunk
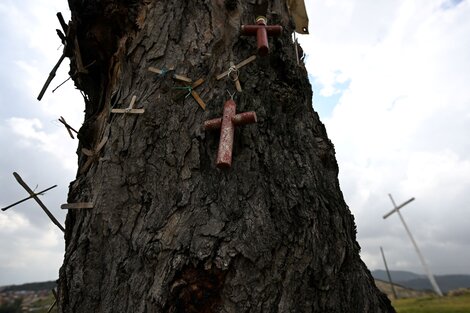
(130,109)
(261,31)
(194,94)
(34,195)
(93,155)
(227,124)
(232,72)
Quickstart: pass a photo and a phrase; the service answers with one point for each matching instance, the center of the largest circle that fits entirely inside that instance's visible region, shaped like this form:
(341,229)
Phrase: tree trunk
(168,231)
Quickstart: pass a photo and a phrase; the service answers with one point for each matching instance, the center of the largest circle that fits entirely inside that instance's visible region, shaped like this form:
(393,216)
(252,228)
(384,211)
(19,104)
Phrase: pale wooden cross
(261,31)
(227,124)
(194,94)
(94,154)
(420,255)
(232,72)
(164,71)
(34,195)
(130,109)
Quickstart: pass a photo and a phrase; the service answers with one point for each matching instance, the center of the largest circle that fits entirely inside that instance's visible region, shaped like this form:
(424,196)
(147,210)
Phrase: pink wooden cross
(261,31)
(227,124)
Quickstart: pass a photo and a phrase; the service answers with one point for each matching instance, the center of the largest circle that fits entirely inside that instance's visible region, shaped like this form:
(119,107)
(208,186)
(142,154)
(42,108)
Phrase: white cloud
(31,134)
(401,125)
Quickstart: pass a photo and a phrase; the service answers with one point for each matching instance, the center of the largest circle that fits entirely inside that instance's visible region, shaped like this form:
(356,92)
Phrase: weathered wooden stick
(75,206)
(23,200)
(92,155)
(68,127)
(51,76)
(175,76)
(55,300)
(64,25)
(35,197)
(78,58)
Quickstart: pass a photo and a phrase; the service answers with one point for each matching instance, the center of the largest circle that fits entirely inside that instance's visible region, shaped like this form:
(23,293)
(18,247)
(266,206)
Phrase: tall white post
(388,274)
(423,262)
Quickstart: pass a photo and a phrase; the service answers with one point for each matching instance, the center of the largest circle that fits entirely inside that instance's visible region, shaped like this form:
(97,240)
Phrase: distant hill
(396,275)
(420,282)
(47,285)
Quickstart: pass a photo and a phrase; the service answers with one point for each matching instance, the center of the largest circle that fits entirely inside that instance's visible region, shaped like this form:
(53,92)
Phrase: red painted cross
(261,31)
(227,124)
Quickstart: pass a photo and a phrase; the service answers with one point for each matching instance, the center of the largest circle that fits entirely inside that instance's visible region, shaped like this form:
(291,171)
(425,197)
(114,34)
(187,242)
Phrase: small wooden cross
(193,93)
(227,124)
(261,31)
(68,127)
(94,155)
(232,72)
(130,109)
(34,195)
(164,71)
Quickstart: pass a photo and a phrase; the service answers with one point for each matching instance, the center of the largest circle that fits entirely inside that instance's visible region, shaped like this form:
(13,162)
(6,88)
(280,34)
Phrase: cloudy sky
(391,83)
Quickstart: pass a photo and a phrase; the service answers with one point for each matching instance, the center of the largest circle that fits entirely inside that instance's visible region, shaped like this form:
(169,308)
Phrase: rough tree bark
(169,232)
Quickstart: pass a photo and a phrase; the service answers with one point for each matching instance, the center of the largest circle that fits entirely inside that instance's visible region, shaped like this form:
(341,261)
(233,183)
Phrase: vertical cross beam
(420,255)
(227,124)
(261,30)
(388,274)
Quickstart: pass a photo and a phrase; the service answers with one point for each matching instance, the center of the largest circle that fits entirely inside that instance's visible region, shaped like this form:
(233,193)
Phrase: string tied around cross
(188,88)
(233,73)
(164,71)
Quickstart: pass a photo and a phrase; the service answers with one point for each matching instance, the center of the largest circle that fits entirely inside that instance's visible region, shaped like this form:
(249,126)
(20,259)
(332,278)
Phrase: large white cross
(423,262)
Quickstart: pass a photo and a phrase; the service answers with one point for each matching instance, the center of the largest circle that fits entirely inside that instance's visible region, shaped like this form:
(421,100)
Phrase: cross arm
(238,66)
(397,208)
(244,118)
(251,30)
(35,197)
(23,200)
(213,124)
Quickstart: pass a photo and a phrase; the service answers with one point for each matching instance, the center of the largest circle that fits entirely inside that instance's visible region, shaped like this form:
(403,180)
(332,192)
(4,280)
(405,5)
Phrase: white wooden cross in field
(423,262)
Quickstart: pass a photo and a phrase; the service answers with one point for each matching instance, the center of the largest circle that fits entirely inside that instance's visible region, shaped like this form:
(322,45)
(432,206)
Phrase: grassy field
(451,304)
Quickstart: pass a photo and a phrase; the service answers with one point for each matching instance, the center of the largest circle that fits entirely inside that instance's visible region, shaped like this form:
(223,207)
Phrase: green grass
(454,304)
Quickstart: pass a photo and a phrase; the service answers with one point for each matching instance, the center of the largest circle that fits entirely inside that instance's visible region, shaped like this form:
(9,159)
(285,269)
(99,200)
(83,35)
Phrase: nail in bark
(227,124)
